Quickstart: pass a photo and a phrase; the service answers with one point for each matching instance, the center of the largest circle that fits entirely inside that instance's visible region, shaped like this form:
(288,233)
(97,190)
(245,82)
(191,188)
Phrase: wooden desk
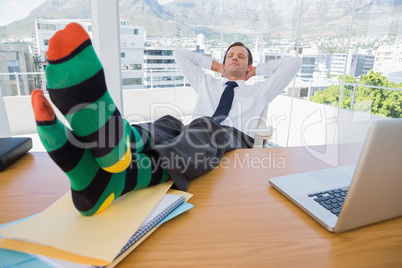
(238,220)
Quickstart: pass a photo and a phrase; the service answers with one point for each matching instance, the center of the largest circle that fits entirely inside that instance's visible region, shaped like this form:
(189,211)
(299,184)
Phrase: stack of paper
(61,235)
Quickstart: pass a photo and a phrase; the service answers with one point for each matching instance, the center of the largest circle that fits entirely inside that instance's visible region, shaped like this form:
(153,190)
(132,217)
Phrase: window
(13,67)
(153,52)
(167,52)
(326,44)
(131,81)
(154,61)
(308,60)
(135,67)
(45,26)
(136,31)
(123,54)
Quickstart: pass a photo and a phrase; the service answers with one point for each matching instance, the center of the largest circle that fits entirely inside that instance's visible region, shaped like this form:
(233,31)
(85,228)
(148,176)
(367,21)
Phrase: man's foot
(77,87)
(93,189)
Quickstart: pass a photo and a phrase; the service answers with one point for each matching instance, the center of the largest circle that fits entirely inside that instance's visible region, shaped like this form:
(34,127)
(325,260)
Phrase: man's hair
(239,44)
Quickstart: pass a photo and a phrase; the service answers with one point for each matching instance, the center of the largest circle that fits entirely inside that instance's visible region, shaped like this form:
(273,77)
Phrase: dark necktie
(226,102)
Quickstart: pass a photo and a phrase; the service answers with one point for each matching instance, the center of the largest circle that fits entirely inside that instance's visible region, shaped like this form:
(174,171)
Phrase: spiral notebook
(167,204)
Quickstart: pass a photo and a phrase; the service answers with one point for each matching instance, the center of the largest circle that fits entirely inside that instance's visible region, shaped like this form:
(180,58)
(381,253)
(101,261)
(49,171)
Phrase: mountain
(267,18)
(51,9)
(155,18)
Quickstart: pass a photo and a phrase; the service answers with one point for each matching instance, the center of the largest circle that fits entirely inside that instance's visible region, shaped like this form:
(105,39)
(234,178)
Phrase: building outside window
(161,70)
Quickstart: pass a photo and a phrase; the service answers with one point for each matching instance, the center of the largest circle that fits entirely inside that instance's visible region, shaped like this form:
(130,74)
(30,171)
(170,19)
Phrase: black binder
(11,149)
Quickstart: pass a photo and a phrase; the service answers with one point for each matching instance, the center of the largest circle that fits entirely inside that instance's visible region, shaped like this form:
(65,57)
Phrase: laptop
(352,196)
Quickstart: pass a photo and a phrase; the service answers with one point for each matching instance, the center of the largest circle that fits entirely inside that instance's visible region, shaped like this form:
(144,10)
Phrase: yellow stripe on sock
(106,203)
(123,163)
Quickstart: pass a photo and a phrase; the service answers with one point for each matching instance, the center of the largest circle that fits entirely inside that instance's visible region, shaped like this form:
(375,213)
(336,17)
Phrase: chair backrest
(264,131)
(263,120)
(4,125)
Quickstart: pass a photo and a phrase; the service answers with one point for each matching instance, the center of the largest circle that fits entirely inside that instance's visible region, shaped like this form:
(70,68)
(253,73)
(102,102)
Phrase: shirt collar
(240,83)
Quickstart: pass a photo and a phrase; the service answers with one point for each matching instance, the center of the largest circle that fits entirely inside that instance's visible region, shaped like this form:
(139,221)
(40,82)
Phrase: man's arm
(284,64)
(191,64)
(281,72)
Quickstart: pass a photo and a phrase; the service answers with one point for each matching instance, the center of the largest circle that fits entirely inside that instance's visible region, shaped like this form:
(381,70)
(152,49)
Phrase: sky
(12,10)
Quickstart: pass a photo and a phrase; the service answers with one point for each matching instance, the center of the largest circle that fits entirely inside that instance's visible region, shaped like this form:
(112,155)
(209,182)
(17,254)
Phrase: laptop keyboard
(332,199)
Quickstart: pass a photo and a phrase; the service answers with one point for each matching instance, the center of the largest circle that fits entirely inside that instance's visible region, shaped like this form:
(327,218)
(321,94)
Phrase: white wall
(139,105)
(150,104)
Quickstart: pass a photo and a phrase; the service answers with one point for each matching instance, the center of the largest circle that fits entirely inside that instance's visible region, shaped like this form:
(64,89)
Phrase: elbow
(177,51)
(298,62)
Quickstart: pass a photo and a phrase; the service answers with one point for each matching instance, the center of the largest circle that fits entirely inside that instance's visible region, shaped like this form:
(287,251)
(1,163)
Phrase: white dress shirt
(249,100)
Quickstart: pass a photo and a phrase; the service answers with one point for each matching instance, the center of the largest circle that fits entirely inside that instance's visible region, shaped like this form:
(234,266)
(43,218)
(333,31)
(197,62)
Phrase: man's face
(236,62)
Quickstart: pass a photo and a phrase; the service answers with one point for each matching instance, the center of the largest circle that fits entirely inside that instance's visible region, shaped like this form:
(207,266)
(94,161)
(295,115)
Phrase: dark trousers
(189,151)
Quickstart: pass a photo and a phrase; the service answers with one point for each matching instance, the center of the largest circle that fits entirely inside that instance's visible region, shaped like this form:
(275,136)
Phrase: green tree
(384,102)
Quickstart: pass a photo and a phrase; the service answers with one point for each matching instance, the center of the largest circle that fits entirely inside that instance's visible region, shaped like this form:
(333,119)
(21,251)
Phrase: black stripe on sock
(131,177)
(76,51)
(157,170)
(46,123)
(67,156)
(144,136)
(108,136)
(84,93)
(86,199)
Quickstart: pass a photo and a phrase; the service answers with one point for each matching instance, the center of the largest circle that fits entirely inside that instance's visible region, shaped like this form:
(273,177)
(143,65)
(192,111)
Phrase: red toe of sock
(42,109)
(66,41)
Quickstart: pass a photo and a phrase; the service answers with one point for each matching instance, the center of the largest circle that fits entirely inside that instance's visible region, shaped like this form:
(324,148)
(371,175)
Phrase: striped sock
(93,189)
(77,87)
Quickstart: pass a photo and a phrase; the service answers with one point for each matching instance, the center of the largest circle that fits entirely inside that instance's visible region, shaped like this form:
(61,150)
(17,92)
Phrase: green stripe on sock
(144,170)
(53,136)
(117,183)
(93,116)
(165,176)
(83,174)
(117,153)
(78,69)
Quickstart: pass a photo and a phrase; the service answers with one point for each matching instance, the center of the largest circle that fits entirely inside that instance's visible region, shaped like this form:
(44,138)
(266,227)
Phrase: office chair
(264,131)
